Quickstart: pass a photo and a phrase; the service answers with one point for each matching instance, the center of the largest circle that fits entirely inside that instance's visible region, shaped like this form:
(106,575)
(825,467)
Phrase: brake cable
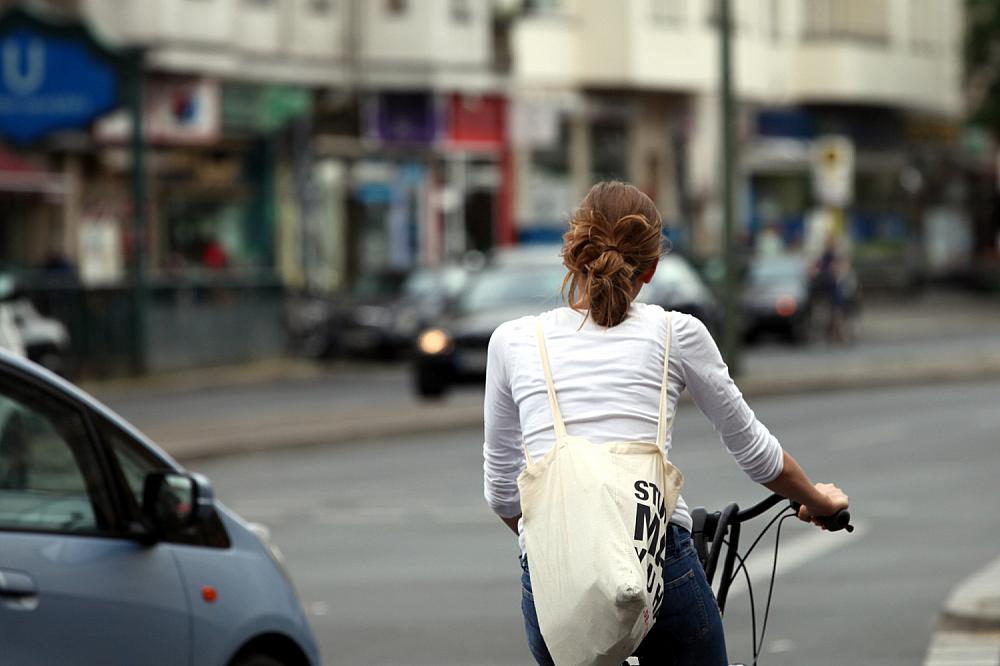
(779,518)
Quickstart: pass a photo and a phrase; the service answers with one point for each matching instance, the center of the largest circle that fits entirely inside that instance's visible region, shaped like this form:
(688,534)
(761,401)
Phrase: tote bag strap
(663,425)
(557,419)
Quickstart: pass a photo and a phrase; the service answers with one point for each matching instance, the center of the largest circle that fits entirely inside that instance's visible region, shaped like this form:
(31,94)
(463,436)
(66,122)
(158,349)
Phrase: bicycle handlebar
(725,525)
(838,521)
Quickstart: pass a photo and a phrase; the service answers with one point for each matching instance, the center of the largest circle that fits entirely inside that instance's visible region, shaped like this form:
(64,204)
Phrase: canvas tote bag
(595,519)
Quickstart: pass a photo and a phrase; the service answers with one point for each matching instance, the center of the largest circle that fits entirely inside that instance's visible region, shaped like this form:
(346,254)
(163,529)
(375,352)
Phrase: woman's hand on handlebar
(834,499)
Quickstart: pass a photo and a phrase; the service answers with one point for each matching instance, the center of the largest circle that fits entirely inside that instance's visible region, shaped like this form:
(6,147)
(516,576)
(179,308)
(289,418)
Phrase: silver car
(112,553)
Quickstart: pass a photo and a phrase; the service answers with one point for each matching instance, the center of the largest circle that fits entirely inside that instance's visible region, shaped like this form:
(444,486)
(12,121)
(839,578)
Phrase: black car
(387,324)
(526,281)
(776,297)
(454,350)
(781,296)
(321,325)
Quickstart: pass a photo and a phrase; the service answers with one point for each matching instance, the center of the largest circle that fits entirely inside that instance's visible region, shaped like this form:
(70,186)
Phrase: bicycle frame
(710,530)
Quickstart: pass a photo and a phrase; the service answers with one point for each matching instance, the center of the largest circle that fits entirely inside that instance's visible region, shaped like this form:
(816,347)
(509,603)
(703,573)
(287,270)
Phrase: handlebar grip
(838,521)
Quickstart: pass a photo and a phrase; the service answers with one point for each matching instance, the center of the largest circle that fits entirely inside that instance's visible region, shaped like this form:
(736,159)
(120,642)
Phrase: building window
(461,11)
(667,11)
(396,7)
(542,6)
(866,20)
(926,25)
(775,20)
(321,7)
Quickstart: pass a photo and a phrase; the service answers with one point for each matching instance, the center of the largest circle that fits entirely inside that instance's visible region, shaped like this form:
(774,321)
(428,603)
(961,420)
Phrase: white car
(10,336)
(45,340)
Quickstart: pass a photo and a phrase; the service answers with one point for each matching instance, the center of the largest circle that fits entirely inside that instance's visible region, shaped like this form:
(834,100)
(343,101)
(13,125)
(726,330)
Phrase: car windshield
(424,283)
(377,286)
(499,288)
(777,270)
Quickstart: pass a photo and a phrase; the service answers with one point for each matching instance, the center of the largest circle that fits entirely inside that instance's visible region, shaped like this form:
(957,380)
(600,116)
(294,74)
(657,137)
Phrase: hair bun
(613,237)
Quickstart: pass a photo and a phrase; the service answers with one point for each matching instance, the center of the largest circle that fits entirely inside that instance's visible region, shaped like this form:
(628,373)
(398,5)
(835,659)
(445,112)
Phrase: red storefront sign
(477,121)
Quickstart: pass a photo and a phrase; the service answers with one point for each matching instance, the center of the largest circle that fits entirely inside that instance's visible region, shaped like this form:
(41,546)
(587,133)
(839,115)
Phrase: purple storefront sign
(403,118)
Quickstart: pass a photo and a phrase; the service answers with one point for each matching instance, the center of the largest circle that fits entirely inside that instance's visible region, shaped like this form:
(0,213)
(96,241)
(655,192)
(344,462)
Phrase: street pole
(139,293)
(730,327)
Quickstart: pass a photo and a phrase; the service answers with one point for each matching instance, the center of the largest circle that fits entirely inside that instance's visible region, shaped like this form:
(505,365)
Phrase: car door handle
(16,585)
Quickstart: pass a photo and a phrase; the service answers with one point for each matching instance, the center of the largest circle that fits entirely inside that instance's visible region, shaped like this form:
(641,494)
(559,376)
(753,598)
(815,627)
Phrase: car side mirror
(174,501)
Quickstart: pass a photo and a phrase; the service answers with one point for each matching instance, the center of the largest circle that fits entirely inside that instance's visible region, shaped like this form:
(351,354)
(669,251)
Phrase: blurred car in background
(112,553)
(779,297)
(42,339)
(317,324)
(524,281)
(310,323)
(10,337)
(454,349)
(776,297)
(388,324)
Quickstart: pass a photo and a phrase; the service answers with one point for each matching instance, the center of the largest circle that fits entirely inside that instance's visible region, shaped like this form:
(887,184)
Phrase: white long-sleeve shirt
(608,386)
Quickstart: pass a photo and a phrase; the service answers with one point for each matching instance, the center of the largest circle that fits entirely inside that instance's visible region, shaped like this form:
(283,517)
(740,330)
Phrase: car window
(504,287)
(50,478)
(135,461)
(777,270)
(422,283)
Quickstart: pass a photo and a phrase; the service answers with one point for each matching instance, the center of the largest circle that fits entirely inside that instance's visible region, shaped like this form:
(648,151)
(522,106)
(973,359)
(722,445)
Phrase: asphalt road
(400,563)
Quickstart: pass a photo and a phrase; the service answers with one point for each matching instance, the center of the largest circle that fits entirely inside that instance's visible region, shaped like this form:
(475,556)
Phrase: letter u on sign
(23,66)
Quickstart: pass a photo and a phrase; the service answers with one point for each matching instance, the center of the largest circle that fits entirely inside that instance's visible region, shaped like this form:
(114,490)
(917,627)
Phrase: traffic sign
(833,170)
(53,76)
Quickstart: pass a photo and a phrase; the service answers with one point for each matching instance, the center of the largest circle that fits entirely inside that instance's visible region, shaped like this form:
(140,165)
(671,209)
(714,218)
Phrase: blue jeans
(688,630)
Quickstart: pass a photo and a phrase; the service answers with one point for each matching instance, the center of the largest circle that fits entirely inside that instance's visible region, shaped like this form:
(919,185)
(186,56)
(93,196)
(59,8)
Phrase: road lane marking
(954,648)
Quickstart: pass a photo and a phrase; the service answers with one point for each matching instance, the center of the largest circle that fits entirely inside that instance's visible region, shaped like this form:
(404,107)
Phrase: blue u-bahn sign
(52,77)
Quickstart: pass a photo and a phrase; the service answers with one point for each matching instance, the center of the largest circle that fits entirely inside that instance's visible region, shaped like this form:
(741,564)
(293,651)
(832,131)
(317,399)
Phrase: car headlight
(434,341)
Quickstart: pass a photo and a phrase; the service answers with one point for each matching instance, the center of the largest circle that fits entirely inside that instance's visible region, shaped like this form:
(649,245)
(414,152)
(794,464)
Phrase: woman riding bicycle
(606,353)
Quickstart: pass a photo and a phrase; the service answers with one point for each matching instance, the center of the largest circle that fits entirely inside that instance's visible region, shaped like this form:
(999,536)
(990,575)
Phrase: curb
(974,605)
(358,426)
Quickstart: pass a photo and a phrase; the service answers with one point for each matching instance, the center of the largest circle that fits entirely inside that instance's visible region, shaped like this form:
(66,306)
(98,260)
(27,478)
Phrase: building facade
(633,87)
(290,144)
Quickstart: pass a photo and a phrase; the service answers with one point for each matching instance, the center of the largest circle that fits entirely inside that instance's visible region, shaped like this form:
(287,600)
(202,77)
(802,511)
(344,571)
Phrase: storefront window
(609,149)
(214,212)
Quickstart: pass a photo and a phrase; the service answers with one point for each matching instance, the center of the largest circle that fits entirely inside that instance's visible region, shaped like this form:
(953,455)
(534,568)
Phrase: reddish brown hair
(614,237)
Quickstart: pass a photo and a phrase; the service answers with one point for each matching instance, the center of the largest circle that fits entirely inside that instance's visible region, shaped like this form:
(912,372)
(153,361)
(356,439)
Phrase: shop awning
(19,176)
